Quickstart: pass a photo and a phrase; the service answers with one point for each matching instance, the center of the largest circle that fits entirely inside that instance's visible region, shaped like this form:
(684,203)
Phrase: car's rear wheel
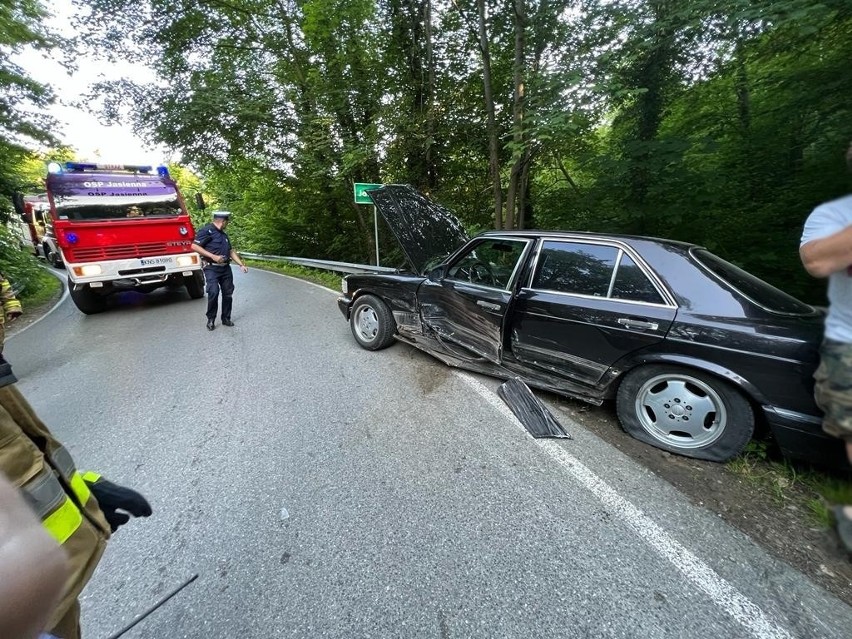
(53,257)
(372,323)
(685,411)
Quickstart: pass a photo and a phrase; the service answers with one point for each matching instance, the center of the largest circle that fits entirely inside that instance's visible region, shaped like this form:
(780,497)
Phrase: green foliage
(22,123)
(19,266)
(42,288)
(717,123)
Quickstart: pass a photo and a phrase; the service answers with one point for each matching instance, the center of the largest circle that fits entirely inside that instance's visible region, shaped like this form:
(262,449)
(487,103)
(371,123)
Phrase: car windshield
(755,289)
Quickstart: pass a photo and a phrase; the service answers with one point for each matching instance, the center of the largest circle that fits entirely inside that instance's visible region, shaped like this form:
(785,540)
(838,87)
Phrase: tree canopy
(717,122)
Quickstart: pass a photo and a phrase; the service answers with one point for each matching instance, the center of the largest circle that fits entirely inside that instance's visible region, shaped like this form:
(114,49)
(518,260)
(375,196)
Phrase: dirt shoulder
(775,513)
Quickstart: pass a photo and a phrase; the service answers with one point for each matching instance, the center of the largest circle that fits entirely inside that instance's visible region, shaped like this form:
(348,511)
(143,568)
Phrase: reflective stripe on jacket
(44,471)
(10,302)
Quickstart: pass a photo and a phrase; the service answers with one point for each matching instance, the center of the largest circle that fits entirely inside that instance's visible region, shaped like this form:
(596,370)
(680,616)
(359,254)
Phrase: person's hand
(220,259)
(113,499)
(33,567)
(13,315)
(244,268)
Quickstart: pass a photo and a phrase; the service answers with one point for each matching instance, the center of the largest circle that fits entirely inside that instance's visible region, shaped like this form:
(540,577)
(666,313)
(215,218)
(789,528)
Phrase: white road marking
(722,593)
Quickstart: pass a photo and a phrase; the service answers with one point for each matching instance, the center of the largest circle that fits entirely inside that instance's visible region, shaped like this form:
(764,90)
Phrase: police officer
(214,246)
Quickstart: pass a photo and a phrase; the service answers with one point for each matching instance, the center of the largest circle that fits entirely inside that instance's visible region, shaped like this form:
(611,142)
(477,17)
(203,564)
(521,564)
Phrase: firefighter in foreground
(79,510)
(214,247)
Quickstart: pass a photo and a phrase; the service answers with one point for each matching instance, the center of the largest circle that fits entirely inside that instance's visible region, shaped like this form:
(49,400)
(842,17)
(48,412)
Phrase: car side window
(632,284)
(488,263)
(575,267)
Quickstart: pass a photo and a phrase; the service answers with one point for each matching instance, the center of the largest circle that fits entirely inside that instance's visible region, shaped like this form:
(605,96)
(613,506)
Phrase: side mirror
(18,203)
(436,274)
(199,201)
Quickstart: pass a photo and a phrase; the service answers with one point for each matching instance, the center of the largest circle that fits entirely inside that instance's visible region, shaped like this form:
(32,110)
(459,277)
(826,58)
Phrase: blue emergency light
(163,171)
(77,167)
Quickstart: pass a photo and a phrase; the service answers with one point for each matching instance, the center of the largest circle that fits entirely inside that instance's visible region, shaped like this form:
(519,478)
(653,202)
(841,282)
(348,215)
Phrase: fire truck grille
(121,252)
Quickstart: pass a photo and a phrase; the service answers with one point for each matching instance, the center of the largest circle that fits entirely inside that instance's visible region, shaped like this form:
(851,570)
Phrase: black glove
(112,498)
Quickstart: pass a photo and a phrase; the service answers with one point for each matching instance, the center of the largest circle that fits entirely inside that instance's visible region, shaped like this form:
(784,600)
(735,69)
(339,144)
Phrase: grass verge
(317,276)
(42,288)
(813,490)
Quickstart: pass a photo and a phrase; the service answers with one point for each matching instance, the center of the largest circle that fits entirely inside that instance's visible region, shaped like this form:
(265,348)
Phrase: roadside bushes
(21,268)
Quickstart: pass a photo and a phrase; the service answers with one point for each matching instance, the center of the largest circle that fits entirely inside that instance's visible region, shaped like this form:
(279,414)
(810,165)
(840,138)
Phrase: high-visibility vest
(7,297)
(58,494)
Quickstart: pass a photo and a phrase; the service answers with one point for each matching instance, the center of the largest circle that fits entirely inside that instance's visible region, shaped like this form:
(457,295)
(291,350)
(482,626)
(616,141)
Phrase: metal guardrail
(327,265)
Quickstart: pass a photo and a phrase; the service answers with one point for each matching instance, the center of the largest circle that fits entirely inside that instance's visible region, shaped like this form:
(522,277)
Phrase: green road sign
(361,196)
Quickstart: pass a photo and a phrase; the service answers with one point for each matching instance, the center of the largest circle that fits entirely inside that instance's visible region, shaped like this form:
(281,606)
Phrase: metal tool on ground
(530,410)
(154,607)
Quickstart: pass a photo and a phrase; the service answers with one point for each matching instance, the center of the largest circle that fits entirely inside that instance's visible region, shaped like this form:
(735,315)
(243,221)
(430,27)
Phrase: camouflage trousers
(833,390)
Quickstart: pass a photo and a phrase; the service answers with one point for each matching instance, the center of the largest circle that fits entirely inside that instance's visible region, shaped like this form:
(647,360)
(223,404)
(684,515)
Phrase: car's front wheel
(195,285)
(372,323)
(87,300)
(685,411)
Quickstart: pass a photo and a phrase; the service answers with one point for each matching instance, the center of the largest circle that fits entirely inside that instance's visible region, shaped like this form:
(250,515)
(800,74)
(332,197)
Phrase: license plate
(156,260)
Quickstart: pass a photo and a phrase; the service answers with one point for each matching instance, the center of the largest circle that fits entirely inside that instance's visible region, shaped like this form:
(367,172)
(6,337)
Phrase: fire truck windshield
(90,196)
(109,209)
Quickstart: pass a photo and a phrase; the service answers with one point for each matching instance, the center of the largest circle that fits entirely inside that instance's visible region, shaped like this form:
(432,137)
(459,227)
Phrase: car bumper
(801,437)
(344,303)
(138,270)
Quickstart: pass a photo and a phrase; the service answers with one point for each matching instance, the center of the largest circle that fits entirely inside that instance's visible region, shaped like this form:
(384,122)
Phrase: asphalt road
(320,490)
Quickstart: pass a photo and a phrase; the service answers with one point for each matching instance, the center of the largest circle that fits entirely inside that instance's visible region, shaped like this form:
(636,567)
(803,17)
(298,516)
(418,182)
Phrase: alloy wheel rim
(367,323)
(681,411)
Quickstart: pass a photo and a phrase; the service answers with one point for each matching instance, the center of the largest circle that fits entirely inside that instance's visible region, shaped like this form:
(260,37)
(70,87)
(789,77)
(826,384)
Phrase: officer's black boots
(227,322)
(210,325)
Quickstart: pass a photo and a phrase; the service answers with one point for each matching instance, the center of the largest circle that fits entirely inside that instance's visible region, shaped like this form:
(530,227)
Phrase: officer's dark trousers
(219,277)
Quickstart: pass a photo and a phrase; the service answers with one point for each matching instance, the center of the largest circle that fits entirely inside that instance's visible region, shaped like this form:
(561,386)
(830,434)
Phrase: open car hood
(425,230)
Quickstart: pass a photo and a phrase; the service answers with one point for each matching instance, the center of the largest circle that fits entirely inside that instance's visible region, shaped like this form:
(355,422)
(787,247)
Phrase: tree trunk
(431,172)
(519,152)
(491,124)
(743,93)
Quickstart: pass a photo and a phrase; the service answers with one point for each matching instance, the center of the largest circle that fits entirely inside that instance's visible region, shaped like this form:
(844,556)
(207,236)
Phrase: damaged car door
(466,301)
(589,304)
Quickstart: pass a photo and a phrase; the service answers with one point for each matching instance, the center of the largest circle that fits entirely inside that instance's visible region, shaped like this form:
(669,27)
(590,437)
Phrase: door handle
(488,305)
(638,324)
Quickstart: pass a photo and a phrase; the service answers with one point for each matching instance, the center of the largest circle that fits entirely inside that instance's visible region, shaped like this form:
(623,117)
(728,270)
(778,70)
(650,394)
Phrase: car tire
(87,300)
(372,323)
(195,285)
(53,257)
(685,411)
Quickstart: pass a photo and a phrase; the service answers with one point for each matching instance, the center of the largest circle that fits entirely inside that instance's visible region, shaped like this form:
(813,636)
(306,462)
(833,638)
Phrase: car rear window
(755,289)
(632,284)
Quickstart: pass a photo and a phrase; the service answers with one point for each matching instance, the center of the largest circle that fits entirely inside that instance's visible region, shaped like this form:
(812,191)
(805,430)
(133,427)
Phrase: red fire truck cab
(120,227)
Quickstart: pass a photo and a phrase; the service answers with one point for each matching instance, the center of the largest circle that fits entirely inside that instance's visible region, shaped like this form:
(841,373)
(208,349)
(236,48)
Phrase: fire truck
(119,228)
(29,226)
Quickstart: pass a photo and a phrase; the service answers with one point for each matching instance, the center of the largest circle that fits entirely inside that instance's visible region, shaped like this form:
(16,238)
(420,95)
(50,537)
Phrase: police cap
(222,215)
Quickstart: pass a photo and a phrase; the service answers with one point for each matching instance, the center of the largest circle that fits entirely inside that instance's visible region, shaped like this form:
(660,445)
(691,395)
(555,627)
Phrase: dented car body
(695,352)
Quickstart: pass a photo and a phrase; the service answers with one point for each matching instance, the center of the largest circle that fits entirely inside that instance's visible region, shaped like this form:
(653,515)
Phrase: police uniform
(217,276)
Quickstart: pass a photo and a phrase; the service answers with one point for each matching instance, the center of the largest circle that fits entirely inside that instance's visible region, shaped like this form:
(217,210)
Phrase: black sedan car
(695,351)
